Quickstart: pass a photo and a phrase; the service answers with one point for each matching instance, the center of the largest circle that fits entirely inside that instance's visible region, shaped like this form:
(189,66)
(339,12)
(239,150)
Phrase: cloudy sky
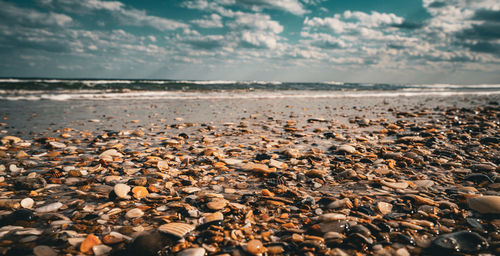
(392,41)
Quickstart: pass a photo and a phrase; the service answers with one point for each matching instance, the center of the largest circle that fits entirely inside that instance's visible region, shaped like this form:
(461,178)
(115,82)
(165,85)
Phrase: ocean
(15,89)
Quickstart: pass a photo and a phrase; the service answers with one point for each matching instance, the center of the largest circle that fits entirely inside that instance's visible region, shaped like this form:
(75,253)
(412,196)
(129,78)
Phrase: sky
(374,41)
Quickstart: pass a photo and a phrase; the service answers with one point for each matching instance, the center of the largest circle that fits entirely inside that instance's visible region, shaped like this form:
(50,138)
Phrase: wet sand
(370,175)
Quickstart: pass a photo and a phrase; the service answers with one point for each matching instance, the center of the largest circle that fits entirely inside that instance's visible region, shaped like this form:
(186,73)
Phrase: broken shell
(177,229)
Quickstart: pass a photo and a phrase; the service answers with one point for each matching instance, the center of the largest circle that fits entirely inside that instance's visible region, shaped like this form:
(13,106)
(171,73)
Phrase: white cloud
(292,6)
(256,21)
(259,39)
(30,17)
(141,18)
(128,16)
(333,24)
(213,21)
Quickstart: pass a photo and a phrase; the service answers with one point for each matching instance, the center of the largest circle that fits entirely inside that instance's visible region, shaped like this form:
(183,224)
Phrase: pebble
(101,249)
(43,250)
(485,204)
(347,148)
(216,205)
(192,252)
(407,183)
(27,203)
(140,192)
(49,208)
(57,145)
(329,217)
(462,241)
(255,247)
(89,243)
(121,190)
(134,213)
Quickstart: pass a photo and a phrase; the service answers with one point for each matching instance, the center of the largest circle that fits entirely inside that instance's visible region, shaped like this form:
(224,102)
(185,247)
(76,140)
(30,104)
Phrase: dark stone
(462,241)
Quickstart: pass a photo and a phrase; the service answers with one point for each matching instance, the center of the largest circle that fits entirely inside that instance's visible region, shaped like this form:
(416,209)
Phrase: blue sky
(391,41)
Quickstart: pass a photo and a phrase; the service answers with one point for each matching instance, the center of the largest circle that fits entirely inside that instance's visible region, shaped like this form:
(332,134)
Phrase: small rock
(43,250)
(121,190)
(140,192)
(134,213)
(346,148)
(462,241)
(329,217)
(88,243)
(485,204)
(101,249)
(109,154)
(57,145)
(216,204)
(255,247)
(49,208)
(27,203)
(192,252)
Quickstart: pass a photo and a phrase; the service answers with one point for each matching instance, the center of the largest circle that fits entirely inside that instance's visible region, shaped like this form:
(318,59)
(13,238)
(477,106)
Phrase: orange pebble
(140,192)
(88,243)
(266,192)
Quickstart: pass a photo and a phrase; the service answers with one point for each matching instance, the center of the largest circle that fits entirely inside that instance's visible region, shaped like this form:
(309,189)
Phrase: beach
(291,174)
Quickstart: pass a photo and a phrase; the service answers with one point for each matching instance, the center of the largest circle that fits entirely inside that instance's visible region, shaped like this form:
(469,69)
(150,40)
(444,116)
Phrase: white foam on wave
(180,95)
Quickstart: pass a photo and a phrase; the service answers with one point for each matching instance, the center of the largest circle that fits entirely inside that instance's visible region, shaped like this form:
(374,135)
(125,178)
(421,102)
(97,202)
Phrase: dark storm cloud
(410,25)
(438,4)
(486,47)
(207,43)
(396,46)
(487,15)
(485,31)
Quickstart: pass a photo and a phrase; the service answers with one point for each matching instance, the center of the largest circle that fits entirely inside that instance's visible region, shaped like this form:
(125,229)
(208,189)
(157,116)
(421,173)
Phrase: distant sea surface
(14,89)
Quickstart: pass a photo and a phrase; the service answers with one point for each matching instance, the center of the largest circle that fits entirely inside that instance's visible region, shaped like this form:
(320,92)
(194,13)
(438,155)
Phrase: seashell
(423,183)
(342,203)
(57,145)
(346,148)
(162,165)
(109,154)
(140,192)
(216,216)
(49,208)
(177,229)
(134,213)
(485,204)
(462,241)
(384,208)
(10,140)
(190,190)
(192,252)
(395,185)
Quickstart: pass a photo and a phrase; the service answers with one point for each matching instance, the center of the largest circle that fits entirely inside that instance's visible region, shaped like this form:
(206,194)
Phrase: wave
(180,95)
